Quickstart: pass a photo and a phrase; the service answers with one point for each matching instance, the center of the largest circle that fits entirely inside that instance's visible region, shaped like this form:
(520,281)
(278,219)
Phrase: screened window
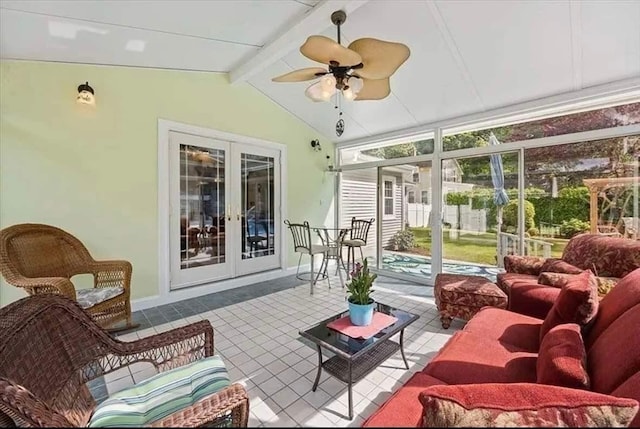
(425,197)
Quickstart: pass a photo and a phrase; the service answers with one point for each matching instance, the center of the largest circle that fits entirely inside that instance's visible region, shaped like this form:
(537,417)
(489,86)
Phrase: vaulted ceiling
(466,56)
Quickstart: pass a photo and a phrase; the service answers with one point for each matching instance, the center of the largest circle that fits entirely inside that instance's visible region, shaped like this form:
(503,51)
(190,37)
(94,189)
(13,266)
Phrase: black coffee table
(355,358)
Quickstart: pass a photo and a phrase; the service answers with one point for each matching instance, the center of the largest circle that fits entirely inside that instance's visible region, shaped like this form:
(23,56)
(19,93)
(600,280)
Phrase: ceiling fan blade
(374,89)
(324,50)
(381,59)
(300,75)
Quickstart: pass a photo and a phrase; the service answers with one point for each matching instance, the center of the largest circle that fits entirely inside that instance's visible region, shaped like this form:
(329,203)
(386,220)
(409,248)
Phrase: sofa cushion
(92,296)
(506,280)
(615,356)
(555,265)
(523,404)
(507,327)
(577,302)
(622,297)
(605,256)
(562,358)
(161,395)
(532,299)
(471,358)
(403,408)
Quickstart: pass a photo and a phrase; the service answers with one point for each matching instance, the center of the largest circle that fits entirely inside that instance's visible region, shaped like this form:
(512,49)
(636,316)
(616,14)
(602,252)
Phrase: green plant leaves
(359,288)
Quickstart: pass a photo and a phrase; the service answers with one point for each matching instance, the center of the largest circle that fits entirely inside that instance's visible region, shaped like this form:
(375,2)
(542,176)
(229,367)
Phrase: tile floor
(256,333)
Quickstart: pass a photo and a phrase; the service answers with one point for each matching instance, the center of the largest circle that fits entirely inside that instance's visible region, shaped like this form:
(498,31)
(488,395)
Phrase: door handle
(229,212)
(238,214)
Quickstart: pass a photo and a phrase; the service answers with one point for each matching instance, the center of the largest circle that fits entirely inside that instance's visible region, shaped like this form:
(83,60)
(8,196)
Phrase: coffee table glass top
(352,347)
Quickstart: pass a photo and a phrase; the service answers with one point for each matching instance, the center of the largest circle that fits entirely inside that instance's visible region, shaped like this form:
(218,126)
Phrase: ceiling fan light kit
(359,72)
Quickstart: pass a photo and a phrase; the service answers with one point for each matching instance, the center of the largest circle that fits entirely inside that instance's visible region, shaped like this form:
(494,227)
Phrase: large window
(609,117)
(583,187)
(567,187)
(371,153)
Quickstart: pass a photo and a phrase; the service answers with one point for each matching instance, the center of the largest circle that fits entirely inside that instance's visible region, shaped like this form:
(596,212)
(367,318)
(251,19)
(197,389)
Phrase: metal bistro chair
(302,244)
(357,238)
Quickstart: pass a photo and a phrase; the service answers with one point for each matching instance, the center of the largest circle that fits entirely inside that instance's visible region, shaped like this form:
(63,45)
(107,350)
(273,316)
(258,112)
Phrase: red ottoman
(463,296)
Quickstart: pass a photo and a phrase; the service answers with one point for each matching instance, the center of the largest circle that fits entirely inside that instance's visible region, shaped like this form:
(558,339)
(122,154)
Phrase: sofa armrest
(522,404)
(532,299)
(531,265)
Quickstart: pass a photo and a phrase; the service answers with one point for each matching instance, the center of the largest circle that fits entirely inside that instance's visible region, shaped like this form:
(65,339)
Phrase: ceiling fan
(359,72)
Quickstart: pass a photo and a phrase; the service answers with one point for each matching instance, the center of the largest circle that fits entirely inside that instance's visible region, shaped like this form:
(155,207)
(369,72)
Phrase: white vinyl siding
(358,191)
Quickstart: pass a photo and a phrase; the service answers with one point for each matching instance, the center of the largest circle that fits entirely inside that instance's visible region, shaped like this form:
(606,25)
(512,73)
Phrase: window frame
(393,181)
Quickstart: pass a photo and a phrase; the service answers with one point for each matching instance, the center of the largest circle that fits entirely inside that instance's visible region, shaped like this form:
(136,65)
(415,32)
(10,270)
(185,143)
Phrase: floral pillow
(554,265)
(554,279)
(605,284)
(522,404)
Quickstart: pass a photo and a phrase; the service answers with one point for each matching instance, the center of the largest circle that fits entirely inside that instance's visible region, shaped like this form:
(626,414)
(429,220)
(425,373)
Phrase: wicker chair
(50,349)
(42,259)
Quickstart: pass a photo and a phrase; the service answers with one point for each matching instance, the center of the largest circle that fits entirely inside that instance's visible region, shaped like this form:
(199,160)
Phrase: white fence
(471,220)
(508,245)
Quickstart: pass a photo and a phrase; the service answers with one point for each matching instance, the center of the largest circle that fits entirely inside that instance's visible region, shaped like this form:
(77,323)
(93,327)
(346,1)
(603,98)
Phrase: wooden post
(593,208)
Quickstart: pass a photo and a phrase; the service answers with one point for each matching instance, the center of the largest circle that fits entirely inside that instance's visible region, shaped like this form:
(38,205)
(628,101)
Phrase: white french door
(225,209)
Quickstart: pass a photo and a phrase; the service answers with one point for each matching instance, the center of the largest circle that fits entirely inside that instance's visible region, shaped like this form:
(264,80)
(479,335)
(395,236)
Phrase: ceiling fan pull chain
(340,123)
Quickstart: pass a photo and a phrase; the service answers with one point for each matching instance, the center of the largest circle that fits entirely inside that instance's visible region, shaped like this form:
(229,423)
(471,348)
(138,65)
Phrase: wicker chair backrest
(37,250)
(52,348)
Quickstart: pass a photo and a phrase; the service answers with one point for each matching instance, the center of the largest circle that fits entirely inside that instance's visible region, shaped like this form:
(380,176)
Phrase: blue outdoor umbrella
(500,197)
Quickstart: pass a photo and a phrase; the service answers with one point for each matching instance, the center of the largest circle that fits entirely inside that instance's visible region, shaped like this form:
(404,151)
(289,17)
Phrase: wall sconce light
(315,145)
(86,95)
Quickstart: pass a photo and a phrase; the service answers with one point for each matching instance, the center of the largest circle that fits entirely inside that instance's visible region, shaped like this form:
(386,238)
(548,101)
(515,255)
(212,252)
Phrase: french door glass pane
(202,204)
(258,205)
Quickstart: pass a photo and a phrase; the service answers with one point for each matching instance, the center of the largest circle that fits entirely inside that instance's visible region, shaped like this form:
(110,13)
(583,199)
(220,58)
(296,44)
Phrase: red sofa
(495,357)
(533,283)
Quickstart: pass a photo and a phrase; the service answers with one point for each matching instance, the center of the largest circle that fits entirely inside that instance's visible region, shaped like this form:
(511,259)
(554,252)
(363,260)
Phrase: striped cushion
(162,395)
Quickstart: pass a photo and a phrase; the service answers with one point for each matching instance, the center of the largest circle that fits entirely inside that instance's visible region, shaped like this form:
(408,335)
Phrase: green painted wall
(93,171)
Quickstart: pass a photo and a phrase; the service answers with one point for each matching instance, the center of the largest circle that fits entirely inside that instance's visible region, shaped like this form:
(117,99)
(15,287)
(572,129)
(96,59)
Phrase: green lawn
(479,248)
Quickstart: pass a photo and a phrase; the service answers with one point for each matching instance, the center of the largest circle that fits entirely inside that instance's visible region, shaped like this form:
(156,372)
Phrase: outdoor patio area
(264,352)
(420,266)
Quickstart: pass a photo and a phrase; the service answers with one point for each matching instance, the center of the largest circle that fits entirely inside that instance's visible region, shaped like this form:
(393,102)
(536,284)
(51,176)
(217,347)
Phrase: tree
(420,147)
(458,199)
(510,215)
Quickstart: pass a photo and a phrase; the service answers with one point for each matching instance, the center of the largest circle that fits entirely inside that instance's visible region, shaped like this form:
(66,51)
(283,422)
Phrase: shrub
(403,240)
(533,232)
(573,227)
(510,215)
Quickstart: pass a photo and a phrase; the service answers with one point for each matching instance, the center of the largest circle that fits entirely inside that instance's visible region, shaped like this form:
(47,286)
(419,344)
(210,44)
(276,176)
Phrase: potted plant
(359,298)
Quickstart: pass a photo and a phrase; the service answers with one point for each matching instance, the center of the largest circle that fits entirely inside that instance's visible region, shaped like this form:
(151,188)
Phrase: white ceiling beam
(315,21)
